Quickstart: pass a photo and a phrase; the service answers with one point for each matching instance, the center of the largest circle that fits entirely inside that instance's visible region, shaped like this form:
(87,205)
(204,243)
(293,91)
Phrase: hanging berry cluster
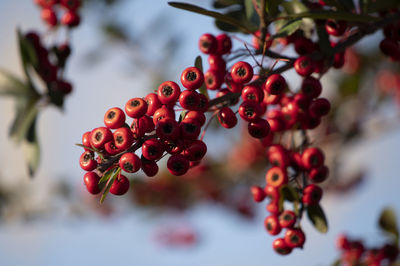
(52,9)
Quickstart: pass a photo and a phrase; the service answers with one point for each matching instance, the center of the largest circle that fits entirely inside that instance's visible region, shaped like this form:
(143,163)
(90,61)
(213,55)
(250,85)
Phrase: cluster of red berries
(70,16)
(390,45)
(355,253)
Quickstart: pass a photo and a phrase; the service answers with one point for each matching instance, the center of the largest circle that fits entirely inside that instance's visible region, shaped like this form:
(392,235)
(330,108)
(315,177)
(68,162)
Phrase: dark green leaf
(182,115)
(271,7)
(290,27)
(323,14)
(350,85)
(294,7)
(32,150)
(289,193)
(388,222)
(226,3)
(198,62)
(216,15)
(317,217)
(112,179)
(106,176)
(56,96)
(28,54)
(13,86)
(249,8)
(26,112)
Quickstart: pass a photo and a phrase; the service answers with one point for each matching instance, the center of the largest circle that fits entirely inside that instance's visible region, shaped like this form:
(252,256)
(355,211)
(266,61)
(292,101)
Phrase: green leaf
(289,193)
(317,217)
(324,14)
(337,262)
(106,176)
(294,7)
(290,27)
(182,115)
(26,112)
(249,8)
(13,86)
(32,150)
(213,14)
(198,62)
(388,222)
(112,179)
(226,3)
(28,54)
(271,6)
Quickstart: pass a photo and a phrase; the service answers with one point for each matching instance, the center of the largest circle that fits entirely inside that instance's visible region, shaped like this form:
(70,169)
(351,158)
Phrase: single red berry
(173,146)
(273,207)
(312,158)
(342,242)
(196,115)
(252,93)
(311,87)
(153,103)
(111,149)
(296,161)
(272,192)
(167,129)
(280,246)
(250,111)
(168,92)
(70,4)
(114,118)
(136,107)
(232,85)
(241,72)
(278,156)
(256,40)
(87,161)
(163,112)
(150,168)
(302,101)
(91,180)
(213,79)
(335,27)
(100,136)
(227,117)
(130,162)
(259,128)
(258,193)
(276,177)
(287,219)
(271,223)
(303,46)
(178,165)
(49,16)
(203,103)
(275,84)
(217,63)
(152,149)
(189,100)
(62,86)
(295,238)
(390,47)
(310,122)
(190,129)
(304,66)
(86,140)
(224,44)
(292,114)
(276,120)
(318,175)
(120,185)
(208,43)
(195,151)
(141,126)
(192,78)
(46,3)
(70,19)
(312,194)
(123,138)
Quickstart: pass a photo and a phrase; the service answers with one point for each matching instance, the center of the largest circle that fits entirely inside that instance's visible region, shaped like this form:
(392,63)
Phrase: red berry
(195,151)
(232,85)
(273,207)
(224,44)
(203,103)
(275,84)
(167,129)
(312,158)
(70,19)
(46,3)
(111,149)
(276,177)
(189,100)
(87,161)
(338,60)
(278,156)
(136,107)
(178,165)
(259,128)
(311,87)
(141,126)
(168,92)
(196,115)
(150,168)
(304,66)
(342,242)
(294,238)
(217,63)
(100,136)
(227,117)
(130,162)
(280,246)
(287,219)
(173,146)
(241,72)
(312,194)
(271,223)
(91,180)
(304,46)
(152,149)
(213,79)
(163,112)
(123,138)
(318,175)
(153,103)
(49,16)
(86,140)
(190,129)
(208,43)
(252,93)
(390,47)
(335,28)
(272,192)
(258,193)
(120,185)
(114,118)
(192,78)
(250,111)
(256,40)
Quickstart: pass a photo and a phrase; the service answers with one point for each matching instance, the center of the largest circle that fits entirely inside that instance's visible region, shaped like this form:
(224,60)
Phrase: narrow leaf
(198,62)
(249,8)
(271,7)
(289,193)
(26,112)
(216,15)
(10,85)
(317,217)
(28,54)
(388,222)
(32,150)
(226,3)
(111,181)
(106,176)
(290,27)
(333,15)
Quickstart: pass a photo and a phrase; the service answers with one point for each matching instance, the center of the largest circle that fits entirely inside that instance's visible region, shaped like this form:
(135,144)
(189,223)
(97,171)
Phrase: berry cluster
(355,253)
(50,8)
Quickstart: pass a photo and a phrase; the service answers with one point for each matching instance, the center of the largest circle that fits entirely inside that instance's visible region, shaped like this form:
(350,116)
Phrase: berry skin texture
(224,44)
(86,140)
(294,238)
(163,112)
(312,194)
(150,168)
(196,151)
(312,158)
(272,226)
(319,175)
(304,66)
(192,78)
(91,180)
(203,103)
(153,103)
(208,43)
(167,129)
(252,93)
(152,149)
(178,165)
(130,162)
(311,87)
(276,177)
(217,63)
(275,84)
(241,72)
(278,156)
(190,129)
(213,79)
(114,118)
(136,107)
(250,111)
(123,138)
(168,92)
(99,137)
(189,100)
(111,149)
(280,246)
(303,46)
(196,115)
(227,117)
(87,161)
(287,219)
(120,185)
(257,193)
(259,128)
(319,107)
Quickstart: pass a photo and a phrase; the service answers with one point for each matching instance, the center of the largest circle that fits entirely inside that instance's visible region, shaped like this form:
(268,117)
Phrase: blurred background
(125,49)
